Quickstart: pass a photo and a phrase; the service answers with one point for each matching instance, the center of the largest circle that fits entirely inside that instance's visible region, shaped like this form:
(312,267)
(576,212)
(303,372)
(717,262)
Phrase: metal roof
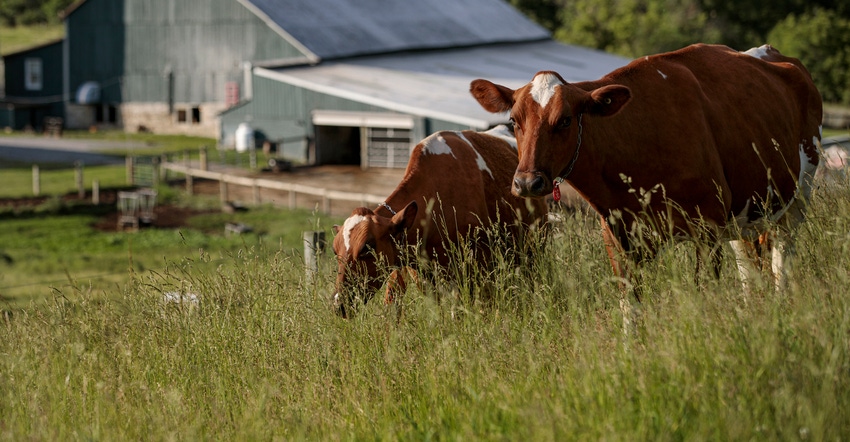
(327,29)
(435,84)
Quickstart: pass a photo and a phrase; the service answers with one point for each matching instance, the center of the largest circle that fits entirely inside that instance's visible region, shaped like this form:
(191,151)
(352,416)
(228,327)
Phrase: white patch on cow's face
(543,88)
(502,131)
(347,226)
(436,145)
(663,75)
(759,52)
(479,160)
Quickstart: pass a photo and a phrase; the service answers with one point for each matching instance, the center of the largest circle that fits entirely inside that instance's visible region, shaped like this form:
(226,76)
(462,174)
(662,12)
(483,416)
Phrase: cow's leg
(782,254)
(395,286)
(620,262)
(629,296)
(746,259)
(708,249)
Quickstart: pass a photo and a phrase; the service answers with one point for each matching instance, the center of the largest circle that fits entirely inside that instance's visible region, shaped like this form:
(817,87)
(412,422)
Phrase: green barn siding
(204,50)
(51,72)
(95,39)
(131,44)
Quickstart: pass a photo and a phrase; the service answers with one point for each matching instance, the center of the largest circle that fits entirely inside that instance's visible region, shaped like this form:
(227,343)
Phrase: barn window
(196,115)
(181,115)
(382,139)
(32,74)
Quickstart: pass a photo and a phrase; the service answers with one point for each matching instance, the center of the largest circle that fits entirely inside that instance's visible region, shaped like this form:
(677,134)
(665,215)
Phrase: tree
(635,27)
(31,12)
(543,12)
(821,40)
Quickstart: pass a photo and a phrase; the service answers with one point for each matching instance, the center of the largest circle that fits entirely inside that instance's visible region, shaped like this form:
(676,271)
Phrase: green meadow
(529,352)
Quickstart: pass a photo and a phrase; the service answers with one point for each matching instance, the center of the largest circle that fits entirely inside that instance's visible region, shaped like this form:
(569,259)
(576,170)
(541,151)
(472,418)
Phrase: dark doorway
(337,145)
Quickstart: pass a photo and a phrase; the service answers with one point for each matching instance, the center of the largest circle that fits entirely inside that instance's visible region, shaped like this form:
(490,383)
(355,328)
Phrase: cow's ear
(492,97)
(403,220)
(336,229)
(608,100)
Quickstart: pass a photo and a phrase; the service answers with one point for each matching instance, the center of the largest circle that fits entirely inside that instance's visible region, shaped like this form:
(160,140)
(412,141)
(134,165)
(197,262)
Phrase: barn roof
(328,29)
(435,84)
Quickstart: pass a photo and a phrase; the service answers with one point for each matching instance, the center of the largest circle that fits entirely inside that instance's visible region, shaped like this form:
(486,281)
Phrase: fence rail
(327,196)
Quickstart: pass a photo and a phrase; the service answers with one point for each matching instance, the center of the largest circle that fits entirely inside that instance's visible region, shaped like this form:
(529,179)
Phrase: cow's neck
(588,176)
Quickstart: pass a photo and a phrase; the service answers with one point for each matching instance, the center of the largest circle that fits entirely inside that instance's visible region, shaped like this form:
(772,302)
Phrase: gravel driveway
(42,150)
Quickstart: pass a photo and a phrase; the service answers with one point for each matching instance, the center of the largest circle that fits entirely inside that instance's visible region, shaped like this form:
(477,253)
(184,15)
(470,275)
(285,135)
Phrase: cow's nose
(529,184)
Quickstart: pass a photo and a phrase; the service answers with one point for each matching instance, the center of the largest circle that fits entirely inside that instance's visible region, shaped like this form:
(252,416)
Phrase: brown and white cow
(455,182)
(702,136)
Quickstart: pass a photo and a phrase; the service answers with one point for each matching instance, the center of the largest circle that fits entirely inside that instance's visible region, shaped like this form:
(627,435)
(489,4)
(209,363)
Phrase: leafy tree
(746,23)
(543,12)
(53,9)
(31,12)
(635,27)
(821,40)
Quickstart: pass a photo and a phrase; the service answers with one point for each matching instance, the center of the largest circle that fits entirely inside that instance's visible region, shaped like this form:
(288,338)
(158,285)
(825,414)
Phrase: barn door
(386,147)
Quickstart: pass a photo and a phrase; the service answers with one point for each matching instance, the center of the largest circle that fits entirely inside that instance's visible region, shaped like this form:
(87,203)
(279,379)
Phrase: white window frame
(33,74)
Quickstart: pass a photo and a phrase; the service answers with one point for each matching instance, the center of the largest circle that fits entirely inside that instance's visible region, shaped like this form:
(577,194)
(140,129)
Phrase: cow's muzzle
(531,184)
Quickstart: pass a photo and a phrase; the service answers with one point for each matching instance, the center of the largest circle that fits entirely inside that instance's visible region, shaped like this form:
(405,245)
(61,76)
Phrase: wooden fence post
(78,175)
(223,190)
(314,245)
(36,180)
(95,192)
(128,164)
(203,158)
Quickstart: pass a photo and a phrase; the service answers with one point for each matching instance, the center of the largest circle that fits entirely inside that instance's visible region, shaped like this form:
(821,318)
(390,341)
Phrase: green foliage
(31,12)
(821,40)
(23,37)
(635,27)
(544,12)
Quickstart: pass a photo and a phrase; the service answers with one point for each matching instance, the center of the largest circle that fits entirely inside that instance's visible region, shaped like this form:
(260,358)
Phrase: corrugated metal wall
(95,39)
(131,46)
(202,43)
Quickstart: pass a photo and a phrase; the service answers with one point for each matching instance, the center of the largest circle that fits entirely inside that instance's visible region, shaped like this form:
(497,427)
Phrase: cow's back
(711,119)
(464,177)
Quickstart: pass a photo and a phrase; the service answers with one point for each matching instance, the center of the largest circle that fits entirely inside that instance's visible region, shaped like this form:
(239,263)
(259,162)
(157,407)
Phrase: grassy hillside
(261,356)
(24,37)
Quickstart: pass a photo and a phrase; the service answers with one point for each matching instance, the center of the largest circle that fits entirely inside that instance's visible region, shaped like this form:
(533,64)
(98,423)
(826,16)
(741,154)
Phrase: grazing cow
(455,182)
(703,142)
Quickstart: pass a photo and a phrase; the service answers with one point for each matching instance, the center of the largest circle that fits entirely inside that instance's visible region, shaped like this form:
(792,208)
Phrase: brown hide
(465,180)
(720,135)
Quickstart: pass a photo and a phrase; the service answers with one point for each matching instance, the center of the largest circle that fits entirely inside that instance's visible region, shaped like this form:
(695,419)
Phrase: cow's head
(365,242)
(546,114)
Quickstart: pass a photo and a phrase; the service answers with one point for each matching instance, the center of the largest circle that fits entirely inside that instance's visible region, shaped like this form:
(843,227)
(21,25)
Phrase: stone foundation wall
(151,117)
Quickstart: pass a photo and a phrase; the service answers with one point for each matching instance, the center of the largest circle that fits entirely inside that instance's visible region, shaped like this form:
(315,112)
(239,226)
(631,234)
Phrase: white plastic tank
(244,137)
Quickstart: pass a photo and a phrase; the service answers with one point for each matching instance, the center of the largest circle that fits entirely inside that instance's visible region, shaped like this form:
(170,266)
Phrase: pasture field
(261,356)
(60,244)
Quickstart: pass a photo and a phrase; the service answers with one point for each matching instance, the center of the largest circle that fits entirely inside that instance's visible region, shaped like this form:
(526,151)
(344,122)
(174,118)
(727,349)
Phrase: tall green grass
(262,356)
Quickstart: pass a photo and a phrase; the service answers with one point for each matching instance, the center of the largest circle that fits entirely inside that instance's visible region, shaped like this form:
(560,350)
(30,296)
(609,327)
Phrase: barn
(34,95)
(323,81)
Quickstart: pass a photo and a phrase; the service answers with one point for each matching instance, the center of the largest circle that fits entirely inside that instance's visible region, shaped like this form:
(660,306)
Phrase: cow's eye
(365,251)
(515,124)
(564,123)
